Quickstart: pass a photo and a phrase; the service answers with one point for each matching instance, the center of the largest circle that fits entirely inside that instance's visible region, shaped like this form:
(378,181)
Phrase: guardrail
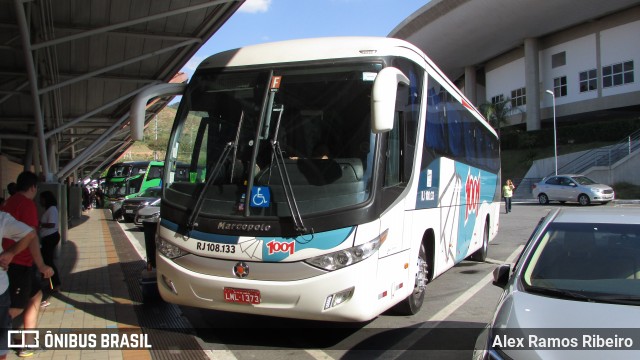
(606,156)
(524,187)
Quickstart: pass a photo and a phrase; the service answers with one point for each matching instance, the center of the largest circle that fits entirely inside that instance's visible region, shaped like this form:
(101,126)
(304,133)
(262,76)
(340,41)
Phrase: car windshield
(583,180)
(314,120)
(598,260)
(152,192)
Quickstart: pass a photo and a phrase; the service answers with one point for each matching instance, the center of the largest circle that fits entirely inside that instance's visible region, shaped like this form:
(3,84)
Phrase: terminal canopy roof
(70,68)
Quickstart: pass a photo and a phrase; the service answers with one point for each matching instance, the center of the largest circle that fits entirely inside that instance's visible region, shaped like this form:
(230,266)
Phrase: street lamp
(555,142)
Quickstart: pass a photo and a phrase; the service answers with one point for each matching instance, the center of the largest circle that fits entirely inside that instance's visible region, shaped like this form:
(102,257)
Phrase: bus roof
(301,50)
(306,50)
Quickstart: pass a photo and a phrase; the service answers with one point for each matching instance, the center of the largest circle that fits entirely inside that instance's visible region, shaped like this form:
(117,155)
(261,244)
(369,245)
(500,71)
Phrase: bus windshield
(119,170)
(308,127)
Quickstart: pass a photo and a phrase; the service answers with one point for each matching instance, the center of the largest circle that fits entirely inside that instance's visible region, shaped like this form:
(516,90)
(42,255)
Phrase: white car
(572,187)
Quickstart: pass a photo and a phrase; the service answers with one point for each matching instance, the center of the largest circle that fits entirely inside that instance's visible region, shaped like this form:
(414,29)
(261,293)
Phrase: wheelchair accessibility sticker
(260,196)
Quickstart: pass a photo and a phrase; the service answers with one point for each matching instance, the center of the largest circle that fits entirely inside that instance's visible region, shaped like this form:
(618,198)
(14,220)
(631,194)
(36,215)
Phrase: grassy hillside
(516,163)
(144,149)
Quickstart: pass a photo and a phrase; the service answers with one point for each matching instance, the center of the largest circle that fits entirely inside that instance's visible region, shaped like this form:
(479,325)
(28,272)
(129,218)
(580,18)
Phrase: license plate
(129,211)
(243,296)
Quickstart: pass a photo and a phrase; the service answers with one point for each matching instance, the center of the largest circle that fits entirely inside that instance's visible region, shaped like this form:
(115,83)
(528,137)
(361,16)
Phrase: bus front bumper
(300,299)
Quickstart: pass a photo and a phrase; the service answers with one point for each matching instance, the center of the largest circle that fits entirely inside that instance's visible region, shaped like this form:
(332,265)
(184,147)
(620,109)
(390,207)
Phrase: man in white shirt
(24,235)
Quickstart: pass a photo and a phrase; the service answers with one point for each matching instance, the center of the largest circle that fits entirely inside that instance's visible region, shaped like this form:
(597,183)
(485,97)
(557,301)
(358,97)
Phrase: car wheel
(412,304)
(481,254)
(543,199)
(116,215)
(584,200)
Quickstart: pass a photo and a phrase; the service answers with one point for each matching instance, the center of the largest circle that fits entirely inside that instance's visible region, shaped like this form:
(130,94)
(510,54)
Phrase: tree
(497,113)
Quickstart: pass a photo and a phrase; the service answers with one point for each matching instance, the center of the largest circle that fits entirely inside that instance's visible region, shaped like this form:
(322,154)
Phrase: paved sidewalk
(99,269)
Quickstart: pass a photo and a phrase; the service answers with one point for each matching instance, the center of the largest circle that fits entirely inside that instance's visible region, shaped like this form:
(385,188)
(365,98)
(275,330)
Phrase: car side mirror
(501,275)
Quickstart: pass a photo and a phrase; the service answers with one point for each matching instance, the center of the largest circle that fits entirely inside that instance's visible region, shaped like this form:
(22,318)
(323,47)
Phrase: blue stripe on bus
(323,240)
(203,236)
(476,187)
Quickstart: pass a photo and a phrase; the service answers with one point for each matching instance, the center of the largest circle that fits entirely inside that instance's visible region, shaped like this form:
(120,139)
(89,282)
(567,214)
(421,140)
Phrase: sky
(260,21)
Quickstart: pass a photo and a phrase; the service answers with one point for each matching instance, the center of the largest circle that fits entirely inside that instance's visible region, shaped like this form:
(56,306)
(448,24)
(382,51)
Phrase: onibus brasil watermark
(99,339)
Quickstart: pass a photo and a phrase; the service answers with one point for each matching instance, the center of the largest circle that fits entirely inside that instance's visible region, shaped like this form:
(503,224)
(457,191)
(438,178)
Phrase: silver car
(574,291)
(131,206)
(571,187)
(148,213)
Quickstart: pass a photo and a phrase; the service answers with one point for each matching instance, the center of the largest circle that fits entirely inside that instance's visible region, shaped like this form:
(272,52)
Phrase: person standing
(24,282)
(507,192)
(23,237)
(49,236)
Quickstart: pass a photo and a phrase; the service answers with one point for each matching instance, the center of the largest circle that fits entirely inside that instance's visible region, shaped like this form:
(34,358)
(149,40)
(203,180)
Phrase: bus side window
(155,172)
(393,154)
(396,141)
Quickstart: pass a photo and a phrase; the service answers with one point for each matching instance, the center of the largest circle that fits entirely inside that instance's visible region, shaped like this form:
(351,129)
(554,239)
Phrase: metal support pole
(33,83)
(117,66)
(555,142)
(93,147)
(129,23)
(92,112)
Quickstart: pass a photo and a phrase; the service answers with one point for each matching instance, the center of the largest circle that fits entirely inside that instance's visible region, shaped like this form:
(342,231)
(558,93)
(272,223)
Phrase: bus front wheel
(412,304)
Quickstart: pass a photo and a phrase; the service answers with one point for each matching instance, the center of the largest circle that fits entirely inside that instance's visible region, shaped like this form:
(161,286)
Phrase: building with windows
(584,52)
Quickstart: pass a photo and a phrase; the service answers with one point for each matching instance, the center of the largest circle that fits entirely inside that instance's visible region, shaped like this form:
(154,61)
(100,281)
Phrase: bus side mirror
(383,98)
(139,105)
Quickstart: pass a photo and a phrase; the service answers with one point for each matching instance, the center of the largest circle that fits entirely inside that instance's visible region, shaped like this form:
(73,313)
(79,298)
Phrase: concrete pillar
(532,83)
(470,84)
(75,202)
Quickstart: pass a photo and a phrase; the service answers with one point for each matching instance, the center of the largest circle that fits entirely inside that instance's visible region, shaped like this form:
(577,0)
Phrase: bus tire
(481,254)
(412,304)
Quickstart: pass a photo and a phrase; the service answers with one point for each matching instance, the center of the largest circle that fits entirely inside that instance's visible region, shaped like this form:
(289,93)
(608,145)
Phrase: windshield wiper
(560,293)
(235,147)
(284,177)
(618,299)
(214,174)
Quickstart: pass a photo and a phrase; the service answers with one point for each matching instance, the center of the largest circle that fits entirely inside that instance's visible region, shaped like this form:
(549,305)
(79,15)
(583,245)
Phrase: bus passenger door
(396,174)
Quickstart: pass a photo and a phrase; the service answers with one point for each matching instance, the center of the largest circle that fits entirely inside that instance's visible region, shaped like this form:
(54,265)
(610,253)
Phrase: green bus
(128,179)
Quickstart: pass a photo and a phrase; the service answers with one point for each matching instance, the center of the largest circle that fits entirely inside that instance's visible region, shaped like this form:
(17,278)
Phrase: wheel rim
(583,200)
(422,276)
(543,199)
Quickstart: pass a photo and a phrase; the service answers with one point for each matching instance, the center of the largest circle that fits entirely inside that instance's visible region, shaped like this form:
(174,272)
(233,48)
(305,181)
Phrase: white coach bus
(329,179)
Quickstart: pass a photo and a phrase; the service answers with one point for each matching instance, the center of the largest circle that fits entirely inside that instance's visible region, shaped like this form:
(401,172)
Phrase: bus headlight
(343,258)
(169,250)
